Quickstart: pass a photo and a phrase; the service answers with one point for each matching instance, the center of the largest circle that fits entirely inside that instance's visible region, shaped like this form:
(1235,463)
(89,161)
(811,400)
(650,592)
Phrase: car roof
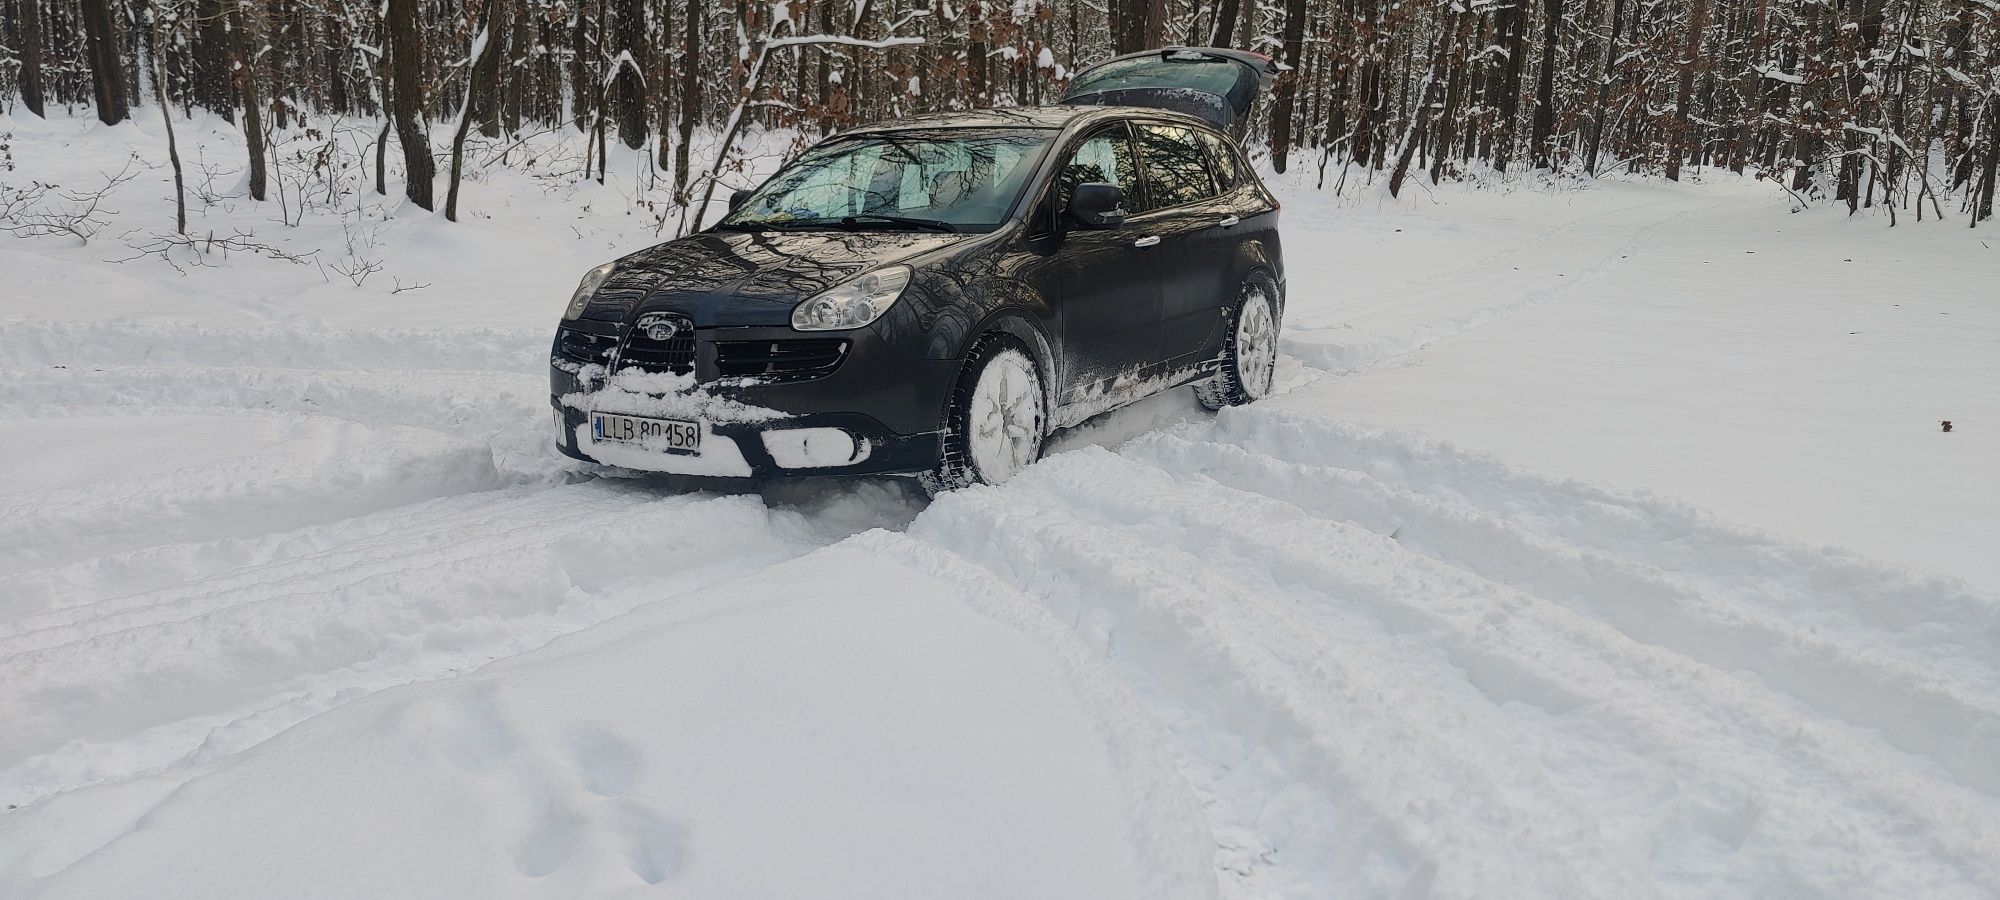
(1048,117)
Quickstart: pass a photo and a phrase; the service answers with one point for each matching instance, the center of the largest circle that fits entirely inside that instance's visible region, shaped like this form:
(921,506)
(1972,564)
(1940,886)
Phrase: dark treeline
(1864,102)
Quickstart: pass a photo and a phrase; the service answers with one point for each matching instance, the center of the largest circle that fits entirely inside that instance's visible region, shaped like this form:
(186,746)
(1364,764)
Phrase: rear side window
(1104,157)
(1176,165)
(1228,170)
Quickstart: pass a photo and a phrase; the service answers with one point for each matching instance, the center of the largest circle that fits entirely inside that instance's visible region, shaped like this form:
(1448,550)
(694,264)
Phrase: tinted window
(1213,76)
(1103,157)
(1228,173)
(1176,165)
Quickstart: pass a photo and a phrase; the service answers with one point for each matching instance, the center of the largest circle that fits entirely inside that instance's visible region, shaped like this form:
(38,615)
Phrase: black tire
(1244,381)
(960,463)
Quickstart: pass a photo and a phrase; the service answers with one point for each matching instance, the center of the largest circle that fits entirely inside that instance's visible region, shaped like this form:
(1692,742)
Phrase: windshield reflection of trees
(960,180)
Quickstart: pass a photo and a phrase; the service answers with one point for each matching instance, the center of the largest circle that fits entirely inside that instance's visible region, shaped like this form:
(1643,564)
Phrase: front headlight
(585,289)
(853,304)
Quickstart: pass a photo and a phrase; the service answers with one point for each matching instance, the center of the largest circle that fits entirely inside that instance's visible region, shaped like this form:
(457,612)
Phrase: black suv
(935,296)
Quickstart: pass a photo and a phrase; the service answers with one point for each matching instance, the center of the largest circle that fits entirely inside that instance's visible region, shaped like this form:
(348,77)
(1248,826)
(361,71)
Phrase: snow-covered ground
(1606,543)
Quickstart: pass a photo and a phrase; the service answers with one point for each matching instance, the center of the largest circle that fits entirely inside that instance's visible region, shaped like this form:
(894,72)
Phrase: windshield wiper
(854,222)
(849,223)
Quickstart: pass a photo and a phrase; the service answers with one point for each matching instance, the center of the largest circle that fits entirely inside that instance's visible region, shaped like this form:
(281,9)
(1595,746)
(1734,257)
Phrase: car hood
(748,278)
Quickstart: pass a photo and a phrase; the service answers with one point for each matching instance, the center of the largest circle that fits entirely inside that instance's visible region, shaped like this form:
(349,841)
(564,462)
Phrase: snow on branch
(807,40)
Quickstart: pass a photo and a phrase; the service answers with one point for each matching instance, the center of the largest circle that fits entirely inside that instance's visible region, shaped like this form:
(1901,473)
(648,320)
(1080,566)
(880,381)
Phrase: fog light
(814,448)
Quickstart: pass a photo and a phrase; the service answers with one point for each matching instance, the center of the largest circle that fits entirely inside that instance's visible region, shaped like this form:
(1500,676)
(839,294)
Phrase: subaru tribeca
(935,296)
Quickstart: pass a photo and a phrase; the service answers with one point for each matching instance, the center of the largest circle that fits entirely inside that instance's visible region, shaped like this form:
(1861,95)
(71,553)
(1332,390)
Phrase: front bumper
(890,405)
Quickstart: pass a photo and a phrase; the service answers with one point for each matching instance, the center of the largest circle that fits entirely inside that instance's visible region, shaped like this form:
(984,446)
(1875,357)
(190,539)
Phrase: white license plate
(654,434)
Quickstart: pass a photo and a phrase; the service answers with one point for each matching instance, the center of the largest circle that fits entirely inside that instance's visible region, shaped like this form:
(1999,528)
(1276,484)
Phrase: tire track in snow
(1934,699)
(1228,666)
(251,650)
(1546,664)
(403,519)
(29,343)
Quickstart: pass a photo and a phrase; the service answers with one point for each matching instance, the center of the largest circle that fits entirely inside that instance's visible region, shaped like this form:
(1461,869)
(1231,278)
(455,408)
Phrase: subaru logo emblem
(660,328)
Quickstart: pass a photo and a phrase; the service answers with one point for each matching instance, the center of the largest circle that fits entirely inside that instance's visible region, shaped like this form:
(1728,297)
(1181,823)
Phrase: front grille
(584,347)
(674,355)
(808,358)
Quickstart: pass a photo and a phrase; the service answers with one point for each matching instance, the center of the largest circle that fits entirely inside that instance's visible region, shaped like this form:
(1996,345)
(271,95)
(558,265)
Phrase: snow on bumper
(736,439)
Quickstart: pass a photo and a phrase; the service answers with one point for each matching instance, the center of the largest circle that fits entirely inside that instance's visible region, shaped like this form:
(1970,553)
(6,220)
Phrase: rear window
(1213,76)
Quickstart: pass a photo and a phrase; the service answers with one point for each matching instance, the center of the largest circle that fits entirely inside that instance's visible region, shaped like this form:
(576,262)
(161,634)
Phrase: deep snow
(1519,590)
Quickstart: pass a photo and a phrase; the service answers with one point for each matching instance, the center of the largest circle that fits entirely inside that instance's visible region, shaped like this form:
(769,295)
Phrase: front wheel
(996,422)
(1250,355)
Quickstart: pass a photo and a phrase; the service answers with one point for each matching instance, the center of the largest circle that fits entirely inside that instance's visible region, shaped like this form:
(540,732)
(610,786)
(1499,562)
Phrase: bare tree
(483,61)
(1541,137)
(629,83)
(406,92)
(243,33)
(1288,84)
(107,70)
(31,55)
(690,103)
(161,41)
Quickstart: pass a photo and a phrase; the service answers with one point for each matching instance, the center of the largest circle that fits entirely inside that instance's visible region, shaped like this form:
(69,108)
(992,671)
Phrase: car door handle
(1147,241)
(1228,221)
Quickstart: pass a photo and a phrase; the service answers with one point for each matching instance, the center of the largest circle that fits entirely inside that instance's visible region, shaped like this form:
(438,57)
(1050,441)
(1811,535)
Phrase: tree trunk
(629,82)
(167,118)
(583,89)
(1454,97)
(1225,23)
(107,70)
(1690,59)
(1542,132)
(977,47)
(242,39)
(1508,31)
(1288,84)
(1421,116)
(1982,209)
(485,62)
(31,55)
(690,105)
(381,150)
(1132,23)
(406,41)
(484,99)
(1156,24)
(1602,105)
(213,56)
(1368,88)
(272,48)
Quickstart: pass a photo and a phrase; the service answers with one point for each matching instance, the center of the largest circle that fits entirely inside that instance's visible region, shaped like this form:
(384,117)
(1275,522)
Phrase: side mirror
(1095,204)
(736,198)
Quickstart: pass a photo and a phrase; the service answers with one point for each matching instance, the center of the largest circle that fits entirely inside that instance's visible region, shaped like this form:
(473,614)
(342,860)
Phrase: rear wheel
(1250,356)
(996,422)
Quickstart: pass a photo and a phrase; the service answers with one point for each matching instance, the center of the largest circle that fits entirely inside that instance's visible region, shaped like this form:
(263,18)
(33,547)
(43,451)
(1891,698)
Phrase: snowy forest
(1858,102)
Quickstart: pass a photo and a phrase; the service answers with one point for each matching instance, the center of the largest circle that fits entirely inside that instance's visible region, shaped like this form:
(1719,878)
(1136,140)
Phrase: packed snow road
(311,609)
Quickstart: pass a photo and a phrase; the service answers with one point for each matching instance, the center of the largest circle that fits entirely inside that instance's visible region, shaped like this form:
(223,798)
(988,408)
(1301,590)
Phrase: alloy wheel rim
(1004,417)
(1256,345)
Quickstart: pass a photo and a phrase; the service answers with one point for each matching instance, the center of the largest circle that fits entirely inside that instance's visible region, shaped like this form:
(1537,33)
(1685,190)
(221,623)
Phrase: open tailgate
(1215,84)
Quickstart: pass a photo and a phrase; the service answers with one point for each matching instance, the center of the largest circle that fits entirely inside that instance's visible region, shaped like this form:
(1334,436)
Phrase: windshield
(958,180)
